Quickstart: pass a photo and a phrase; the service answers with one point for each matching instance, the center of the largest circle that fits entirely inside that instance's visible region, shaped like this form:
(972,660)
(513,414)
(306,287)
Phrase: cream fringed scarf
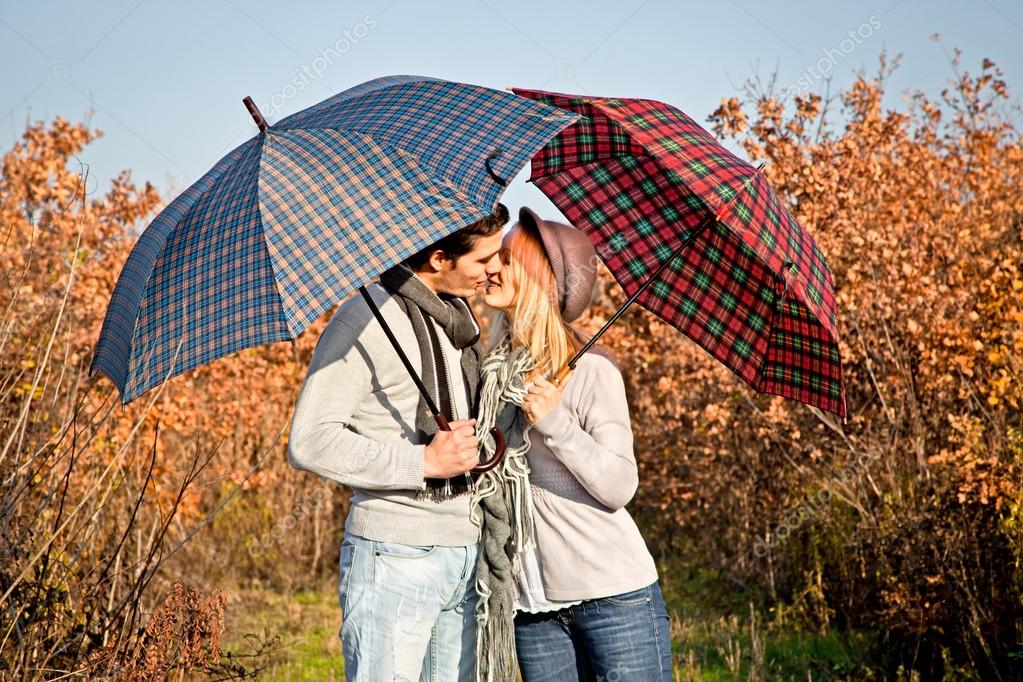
(502,506)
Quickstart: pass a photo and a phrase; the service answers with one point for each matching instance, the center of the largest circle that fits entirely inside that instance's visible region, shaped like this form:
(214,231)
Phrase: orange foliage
(94,496)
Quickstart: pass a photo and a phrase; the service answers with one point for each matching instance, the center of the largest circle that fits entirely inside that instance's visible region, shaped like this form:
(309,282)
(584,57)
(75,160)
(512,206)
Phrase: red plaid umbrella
(697,236)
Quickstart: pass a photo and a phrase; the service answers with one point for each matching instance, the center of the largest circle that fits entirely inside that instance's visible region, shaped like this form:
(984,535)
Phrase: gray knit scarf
(426,310)
(502,506)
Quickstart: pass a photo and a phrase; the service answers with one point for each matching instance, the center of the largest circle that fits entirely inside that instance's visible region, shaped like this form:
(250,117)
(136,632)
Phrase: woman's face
(500,291)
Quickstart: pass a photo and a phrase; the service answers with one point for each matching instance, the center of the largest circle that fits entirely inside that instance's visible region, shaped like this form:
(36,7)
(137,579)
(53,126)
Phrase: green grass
(306,624)
(725,650)
(713,637)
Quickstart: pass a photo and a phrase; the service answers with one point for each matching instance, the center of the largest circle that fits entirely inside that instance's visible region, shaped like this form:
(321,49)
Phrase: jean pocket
(634,598)
(401,551)
(348,556)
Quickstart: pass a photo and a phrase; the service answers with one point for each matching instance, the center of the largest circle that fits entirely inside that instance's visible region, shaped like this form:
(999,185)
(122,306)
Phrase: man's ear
(438,261)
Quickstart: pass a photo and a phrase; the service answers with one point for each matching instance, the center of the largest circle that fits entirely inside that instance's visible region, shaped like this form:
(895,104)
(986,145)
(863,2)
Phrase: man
(408,558)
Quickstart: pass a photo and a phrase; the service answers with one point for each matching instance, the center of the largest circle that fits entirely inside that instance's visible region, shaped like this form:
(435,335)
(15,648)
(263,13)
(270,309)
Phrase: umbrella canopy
(298,217)
(697,236)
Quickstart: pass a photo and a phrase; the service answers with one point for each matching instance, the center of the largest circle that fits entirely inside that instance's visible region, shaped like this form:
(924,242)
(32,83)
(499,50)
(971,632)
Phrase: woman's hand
(541,398)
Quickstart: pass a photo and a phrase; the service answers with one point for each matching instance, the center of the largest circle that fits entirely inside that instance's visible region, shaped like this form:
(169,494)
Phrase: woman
(583,582)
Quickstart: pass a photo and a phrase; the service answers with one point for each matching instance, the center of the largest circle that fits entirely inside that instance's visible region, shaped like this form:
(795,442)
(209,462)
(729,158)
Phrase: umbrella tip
(256,115)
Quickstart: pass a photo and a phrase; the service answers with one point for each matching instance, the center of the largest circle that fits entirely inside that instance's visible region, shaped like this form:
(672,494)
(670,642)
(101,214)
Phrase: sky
(164,81)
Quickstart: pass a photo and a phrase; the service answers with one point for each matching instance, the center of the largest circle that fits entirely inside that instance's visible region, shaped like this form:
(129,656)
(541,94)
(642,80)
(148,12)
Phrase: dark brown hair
(459,243)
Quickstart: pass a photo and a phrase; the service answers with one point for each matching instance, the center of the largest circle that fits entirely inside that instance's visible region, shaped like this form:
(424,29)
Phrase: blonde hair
(536,321)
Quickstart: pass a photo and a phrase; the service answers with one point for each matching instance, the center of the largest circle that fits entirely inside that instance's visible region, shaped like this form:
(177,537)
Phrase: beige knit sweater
(355,424)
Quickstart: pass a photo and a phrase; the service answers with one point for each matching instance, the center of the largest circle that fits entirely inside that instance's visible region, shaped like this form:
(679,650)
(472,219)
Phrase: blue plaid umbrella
(302,215)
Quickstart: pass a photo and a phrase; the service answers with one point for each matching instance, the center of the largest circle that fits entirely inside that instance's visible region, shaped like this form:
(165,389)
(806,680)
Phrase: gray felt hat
(573,259)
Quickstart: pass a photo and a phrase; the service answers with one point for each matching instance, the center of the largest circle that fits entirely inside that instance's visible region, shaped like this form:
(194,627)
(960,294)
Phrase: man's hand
(541,398)
(452,452)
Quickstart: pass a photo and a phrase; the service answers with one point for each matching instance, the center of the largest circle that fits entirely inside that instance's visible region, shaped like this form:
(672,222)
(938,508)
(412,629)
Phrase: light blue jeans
(408,611)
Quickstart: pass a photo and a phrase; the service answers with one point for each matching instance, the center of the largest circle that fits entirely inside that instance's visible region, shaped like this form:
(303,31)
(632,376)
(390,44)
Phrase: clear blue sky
(165,80)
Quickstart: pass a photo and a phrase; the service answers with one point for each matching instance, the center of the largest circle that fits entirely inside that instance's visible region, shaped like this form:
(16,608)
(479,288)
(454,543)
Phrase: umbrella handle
(563,374)
(497,178)
(442,423)
(498,454)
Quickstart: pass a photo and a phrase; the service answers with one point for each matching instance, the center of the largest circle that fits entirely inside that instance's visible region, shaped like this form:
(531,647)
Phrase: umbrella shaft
(442,421)
(707,222)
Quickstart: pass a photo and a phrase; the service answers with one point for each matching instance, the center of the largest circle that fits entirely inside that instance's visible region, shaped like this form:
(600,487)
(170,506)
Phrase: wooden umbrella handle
(444,425)
(558,380)
(562,376)
(498,453)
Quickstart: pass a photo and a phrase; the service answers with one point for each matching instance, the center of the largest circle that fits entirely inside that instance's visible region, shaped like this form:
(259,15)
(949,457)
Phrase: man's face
(468,275)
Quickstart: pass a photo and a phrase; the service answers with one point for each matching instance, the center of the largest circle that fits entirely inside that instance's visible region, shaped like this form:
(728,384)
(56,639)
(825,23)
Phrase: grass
(728,649)
(306,624)
(718,635)
(710,643)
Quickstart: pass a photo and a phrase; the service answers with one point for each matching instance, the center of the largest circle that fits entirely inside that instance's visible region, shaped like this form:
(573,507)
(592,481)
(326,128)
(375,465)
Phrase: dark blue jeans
(619,638)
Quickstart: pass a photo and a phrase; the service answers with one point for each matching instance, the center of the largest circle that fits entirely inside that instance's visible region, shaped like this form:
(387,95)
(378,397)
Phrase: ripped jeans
(408,611)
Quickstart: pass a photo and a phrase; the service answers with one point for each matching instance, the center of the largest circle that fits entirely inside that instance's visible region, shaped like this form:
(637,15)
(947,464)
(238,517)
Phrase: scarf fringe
(447,491)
